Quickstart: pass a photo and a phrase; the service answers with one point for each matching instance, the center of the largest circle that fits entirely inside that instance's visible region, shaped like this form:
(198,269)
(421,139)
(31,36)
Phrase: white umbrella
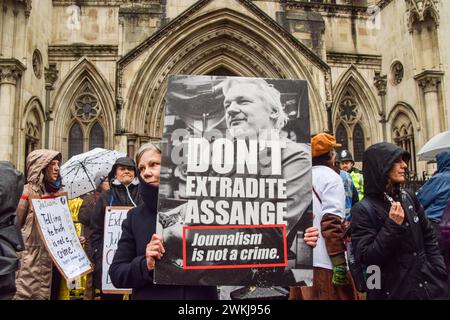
(79,171)
(440,142)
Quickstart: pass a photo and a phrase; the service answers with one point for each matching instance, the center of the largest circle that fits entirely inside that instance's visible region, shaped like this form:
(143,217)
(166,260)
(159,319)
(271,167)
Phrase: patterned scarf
(53,187)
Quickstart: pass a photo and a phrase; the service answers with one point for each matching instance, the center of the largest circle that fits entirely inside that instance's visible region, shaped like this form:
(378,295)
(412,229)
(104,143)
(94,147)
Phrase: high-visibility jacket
(358,181)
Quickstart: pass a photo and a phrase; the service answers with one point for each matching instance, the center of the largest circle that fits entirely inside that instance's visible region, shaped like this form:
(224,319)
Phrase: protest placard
(235,191)
(114,217)
(59,235)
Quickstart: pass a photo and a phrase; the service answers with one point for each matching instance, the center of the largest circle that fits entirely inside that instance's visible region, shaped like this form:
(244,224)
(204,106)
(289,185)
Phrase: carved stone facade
(397,73)
(105,66)
(418,10)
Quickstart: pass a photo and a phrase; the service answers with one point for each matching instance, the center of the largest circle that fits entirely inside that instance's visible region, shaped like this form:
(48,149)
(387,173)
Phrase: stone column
(10,72)
(429,82)
(131,148)
(380,83)
(3,11)
(14,32)
(120,137)
(329,108)
(120,142)
(329,100)
(50,74)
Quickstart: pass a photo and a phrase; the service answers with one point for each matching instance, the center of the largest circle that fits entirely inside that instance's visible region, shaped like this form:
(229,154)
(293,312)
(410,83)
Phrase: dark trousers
(444,250)
(56,283)
(108,296)
(89,290)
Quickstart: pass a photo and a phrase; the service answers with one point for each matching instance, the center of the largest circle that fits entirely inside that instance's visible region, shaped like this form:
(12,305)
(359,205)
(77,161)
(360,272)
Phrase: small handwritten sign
(114,216)
(59,235)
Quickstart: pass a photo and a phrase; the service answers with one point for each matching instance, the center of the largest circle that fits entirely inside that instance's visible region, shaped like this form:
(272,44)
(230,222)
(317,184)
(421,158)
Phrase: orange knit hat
(323,143)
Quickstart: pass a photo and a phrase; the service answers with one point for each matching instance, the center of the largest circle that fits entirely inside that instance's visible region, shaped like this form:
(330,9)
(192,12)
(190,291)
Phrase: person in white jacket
(331,278)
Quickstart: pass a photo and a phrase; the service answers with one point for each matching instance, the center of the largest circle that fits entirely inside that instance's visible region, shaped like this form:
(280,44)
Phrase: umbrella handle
(87,173)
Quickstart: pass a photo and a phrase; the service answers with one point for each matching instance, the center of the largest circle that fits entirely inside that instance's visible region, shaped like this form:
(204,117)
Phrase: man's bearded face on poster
(247,109)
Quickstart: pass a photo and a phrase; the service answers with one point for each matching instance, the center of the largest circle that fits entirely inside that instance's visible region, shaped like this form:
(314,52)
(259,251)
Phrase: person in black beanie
(123,192)
(139,246)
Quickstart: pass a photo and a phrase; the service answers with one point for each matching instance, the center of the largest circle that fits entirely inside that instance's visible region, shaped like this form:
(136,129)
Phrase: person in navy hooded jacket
(434,196)
(435,193)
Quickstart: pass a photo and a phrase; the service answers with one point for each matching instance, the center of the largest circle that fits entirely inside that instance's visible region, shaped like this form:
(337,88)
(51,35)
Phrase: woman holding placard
(35,278)
(140,246)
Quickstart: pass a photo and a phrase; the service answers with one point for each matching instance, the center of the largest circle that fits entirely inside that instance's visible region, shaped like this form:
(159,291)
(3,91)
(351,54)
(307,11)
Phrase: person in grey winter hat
(100,177)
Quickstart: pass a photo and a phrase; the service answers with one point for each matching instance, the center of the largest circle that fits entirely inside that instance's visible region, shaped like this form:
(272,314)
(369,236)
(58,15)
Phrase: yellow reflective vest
(358,181)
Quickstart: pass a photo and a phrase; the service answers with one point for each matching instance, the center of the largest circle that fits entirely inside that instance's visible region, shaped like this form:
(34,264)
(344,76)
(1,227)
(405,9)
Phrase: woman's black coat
(408,254)
(129,267)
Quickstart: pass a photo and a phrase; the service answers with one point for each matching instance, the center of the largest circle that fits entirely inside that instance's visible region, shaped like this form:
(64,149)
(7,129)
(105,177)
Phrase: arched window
(96,137)
(75,140)
(33,132)
(349,117)
(403,135)
(87,132)
(358,143)
(341,137)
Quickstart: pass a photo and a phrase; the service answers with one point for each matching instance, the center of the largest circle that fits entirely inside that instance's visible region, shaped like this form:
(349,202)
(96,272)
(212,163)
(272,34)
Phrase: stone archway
(405,131)
(222,38)
(32,129)
(352,90)
(83,82)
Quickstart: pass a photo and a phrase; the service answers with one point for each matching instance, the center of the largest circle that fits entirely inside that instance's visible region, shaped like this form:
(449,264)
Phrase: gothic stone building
(79,74)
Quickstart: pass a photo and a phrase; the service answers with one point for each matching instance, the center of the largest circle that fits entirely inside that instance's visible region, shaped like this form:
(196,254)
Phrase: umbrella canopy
(79,171)
(440,142)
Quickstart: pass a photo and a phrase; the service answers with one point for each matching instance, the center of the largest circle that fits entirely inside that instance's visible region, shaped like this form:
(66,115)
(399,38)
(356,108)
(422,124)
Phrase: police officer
(347,164)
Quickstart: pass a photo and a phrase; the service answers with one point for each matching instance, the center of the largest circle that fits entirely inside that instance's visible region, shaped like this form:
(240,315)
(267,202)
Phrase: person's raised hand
(396,213)
(153,251)
(311,236)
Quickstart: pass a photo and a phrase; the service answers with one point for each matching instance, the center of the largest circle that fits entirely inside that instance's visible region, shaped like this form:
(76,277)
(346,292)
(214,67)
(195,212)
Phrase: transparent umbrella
(79,171)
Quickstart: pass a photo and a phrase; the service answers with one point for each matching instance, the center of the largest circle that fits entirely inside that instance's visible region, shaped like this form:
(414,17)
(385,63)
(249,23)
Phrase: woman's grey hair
(268,93)
(155,146)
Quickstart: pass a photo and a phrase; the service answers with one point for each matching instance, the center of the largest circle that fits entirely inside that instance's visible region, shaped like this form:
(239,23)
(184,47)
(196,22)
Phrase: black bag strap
(367,206)
(317,195)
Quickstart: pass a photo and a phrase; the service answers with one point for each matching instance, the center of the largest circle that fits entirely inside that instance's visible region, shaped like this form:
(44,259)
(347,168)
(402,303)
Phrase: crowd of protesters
(404,234)
(362,219)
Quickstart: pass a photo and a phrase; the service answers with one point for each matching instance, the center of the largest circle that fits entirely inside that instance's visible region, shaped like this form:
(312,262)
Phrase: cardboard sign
(114,217)
(59,235)
(235,192)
